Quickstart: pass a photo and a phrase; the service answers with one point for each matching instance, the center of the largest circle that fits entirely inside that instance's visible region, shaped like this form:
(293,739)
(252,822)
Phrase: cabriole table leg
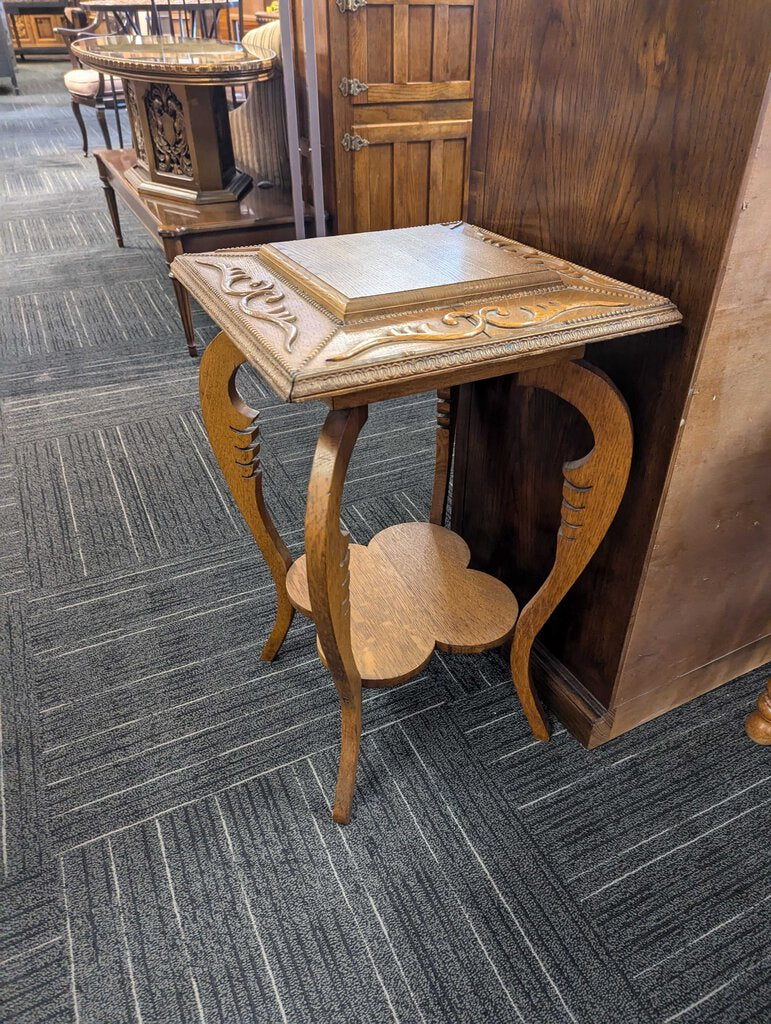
(328,556)
(234,434)
(591,493)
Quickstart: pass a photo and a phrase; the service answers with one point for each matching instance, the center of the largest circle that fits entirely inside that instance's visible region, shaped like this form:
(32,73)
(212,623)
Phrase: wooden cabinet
(396,78)
(634,138)
(32,24)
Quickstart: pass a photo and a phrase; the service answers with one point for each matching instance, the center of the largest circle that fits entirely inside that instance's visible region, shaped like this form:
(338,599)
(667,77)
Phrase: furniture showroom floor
(168,854)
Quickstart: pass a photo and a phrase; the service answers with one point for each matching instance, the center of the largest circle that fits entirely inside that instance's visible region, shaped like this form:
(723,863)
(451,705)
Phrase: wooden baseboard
(578,710)
(592,724)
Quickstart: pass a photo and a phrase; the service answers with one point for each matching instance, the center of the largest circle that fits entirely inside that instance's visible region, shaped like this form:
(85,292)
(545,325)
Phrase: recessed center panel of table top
(391,270)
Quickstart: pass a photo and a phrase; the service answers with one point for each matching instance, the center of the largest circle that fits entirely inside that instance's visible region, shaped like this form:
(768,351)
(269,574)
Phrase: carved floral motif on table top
(239,283)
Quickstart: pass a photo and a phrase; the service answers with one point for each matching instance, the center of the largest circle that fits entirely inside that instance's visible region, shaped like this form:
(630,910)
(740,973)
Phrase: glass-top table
(166,58)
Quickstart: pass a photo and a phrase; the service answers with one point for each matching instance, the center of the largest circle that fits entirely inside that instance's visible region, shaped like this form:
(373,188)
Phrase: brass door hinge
(352,86)
(353,142)
(348,6)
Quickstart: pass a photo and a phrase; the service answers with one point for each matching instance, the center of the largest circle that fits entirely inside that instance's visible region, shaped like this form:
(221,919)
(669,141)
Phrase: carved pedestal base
(182,140)
(758,724)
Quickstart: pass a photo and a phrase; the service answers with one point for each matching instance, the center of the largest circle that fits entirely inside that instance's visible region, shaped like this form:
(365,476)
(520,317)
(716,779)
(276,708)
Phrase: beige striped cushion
(258,126)
(85,82)
(265,37)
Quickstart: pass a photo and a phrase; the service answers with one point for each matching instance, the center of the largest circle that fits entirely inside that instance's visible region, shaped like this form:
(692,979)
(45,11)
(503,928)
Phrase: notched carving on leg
(591,493)
(445,431)
(229,421)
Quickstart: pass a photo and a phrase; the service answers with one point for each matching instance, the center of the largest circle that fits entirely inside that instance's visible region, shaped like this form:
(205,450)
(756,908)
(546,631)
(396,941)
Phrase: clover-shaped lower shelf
(411,591)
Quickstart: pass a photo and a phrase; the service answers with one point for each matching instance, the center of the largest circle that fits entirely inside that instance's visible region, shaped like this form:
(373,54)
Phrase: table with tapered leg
(353,320)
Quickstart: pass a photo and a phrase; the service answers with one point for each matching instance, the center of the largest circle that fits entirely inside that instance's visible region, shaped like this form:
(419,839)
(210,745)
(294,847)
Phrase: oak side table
(356,319)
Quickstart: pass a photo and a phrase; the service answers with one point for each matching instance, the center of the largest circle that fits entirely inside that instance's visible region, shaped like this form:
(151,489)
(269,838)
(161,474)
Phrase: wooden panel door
(403,74)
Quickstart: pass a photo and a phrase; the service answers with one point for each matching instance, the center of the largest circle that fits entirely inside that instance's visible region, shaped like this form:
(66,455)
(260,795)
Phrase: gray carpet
(167,848)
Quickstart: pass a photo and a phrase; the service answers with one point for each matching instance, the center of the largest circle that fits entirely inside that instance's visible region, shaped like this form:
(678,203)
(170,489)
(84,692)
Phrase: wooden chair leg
(101,118)
(445,435)
(592,491)
(112,205)
(327,558)
(234,434)
(81,124)
(758,724)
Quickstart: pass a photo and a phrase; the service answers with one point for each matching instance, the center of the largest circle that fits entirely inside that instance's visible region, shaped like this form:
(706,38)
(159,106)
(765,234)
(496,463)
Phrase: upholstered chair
(258,126)
(89,88)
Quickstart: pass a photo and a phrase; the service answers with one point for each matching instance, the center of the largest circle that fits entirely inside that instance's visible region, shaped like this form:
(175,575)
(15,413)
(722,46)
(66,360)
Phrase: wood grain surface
(617,136)
(417,63)
(411,591)
(591,492)
(328,570)
(434,322)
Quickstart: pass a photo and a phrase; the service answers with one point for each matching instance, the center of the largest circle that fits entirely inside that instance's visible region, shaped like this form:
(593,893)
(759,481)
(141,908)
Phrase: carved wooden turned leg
(327,557)
(112,205)
(758,724)
(234,434)
(173,247)
(445,435)
(591,493)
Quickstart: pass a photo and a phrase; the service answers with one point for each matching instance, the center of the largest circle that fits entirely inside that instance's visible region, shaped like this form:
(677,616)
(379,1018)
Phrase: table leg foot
(350,741)
(758,724)
(327,559)
(234,434)
(591,493)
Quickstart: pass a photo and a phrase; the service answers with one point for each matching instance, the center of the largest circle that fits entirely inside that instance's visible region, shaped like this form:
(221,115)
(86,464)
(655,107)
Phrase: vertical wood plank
(339,62)
(360,200)
(436,175)
(400,180)
(357,36)
(439,57)
(401,36)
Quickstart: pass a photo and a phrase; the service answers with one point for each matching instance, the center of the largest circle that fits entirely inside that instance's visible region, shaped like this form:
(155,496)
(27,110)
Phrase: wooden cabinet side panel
(615,135)
(707,592)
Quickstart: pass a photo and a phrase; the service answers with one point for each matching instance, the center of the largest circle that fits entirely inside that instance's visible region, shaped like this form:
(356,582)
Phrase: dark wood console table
(180,179)
(356,319)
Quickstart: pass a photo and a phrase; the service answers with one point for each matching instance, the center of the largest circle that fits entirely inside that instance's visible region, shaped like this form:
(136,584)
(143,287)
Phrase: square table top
(389,312)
